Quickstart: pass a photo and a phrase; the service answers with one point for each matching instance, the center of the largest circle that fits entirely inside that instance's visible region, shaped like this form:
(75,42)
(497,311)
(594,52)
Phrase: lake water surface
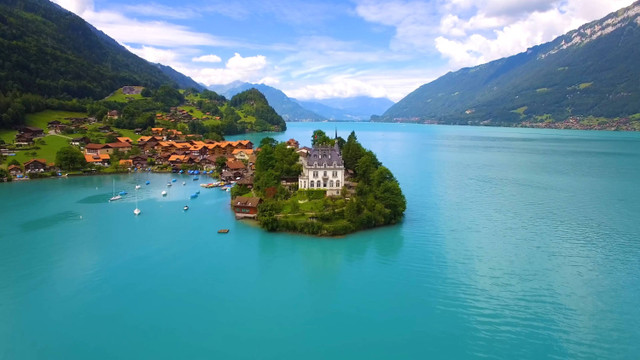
(517,244)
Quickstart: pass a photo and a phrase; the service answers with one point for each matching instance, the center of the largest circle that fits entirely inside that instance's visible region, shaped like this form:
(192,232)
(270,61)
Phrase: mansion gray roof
(324,155)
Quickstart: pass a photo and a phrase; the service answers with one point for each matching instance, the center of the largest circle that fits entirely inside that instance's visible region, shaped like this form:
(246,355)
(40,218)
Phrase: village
(169,150)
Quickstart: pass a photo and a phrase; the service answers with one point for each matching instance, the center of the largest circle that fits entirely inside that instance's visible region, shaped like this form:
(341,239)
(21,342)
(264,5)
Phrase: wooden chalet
(14,170)
(35,165)
(245,207)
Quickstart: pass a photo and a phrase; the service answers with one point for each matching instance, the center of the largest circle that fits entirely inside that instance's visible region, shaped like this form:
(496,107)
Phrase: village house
(35,165)
(23,139)
(322,168)
(80,141)
(110,148)
(139,161)
(14,170)
(124,139)
(33,131)
(98,159)
(113,114)
(245,207)
(126,163)
(242,154)
(292,143)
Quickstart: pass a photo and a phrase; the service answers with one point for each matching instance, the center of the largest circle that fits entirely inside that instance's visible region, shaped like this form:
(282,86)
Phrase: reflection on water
(51,220)
(95,199)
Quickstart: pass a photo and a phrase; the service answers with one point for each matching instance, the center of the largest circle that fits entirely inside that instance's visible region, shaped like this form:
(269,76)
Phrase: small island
(333,188)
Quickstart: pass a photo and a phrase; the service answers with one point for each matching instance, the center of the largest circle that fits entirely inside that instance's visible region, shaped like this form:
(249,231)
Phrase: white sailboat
(115,197)
(137,211)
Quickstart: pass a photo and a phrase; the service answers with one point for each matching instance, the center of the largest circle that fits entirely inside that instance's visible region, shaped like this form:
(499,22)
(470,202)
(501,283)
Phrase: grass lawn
(128,133)
(193,111)
(120,97)
(41,119)
(48,151)
(8,136)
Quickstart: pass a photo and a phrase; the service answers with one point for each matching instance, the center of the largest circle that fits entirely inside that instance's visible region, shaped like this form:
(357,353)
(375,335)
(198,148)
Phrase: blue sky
(324,49)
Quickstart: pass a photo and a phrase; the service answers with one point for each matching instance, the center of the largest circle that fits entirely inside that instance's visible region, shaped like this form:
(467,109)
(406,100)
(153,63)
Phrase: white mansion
(322,168)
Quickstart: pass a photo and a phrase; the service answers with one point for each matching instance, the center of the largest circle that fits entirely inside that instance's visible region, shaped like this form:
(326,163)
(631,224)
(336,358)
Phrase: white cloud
(155,55)
(77,7)
(207,58)
(467,32)
(133,31)
(249,69)
(158,10)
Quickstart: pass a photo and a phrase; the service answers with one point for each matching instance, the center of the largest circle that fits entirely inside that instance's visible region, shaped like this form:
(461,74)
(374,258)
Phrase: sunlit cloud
(207,59)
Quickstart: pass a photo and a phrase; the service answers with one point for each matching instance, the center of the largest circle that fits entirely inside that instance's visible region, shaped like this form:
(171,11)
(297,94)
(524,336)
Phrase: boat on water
(138,187)
(173,180)
(185,208)
(123,193)
(137,210)
(164,192)
(168,184)
(147,182)
(196,178)
(114,197)
(184,183)
(193,196)
(223,231)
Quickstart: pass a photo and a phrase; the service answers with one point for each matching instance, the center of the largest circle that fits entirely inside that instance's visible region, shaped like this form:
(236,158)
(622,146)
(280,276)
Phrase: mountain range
(591,71)
(354,108)
(49,51)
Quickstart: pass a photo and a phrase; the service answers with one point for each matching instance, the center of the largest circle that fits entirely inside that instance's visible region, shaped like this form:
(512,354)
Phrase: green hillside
(49,57)
(591,71)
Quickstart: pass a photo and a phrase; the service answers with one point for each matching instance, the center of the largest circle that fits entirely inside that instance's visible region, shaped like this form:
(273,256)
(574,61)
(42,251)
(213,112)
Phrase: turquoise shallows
(517,244)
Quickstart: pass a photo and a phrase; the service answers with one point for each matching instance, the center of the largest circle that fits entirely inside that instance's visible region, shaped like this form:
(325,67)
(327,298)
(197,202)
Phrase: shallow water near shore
(517,243)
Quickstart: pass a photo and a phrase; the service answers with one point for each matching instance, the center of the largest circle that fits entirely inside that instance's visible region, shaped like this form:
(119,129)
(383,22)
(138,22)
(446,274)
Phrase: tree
(221,161)
(70,158)
(14,162)
(320,138)
(4,174)
(352,151)
(268,141)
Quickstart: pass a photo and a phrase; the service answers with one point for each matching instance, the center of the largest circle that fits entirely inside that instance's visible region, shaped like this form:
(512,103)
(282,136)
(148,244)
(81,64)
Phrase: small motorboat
(147,182)
(196,178)
(173,180)
(164,193)
(116,197)
(184,183)
(185,208)
(123,193)
(138,187)
(193,196)
(168,184)
(223,231)
(137,211)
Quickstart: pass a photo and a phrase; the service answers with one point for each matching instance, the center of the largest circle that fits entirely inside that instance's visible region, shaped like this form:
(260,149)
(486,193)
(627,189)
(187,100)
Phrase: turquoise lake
(516,244)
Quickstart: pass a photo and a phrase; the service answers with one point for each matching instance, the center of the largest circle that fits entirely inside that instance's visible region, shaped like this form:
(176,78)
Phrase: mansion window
(315,174)
(335,174)
(318,183)
(337,183)
(330,183)
(311,183)
(325,174)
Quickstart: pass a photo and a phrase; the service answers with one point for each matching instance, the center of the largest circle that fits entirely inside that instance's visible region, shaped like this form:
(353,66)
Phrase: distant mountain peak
(597,29)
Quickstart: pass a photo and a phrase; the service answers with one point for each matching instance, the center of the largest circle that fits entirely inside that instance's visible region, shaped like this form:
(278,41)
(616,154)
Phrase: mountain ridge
(587,72)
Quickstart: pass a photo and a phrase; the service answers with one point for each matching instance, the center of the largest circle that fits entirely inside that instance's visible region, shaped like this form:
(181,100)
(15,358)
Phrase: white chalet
(322,168)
